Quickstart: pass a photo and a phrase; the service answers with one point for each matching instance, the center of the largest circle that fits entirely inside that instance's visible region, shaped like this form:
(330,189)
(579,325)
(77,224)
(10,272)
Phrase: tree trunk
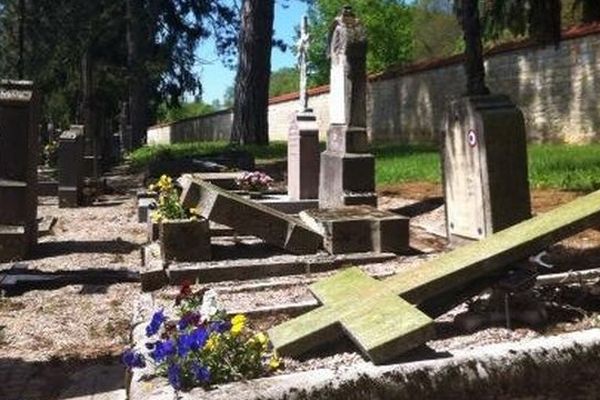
(251,102)
(21,59)
(468,14)
(138,99)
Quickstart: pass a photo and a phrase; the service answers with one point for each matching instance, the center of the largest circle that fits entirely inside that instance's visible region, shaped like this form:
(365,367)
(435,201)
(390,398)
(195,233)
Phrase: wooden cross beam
(382,318)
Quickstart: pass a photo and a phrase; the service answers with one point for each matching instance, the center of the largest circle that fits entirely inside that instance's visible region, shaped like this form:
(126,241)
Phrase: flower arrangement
(50,153)
(255,181)
(203,347)
(169,206)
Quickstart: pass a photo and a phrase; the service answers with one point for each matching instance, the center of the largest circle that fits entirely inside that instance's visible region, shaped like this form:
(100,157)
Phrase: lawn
(566,167)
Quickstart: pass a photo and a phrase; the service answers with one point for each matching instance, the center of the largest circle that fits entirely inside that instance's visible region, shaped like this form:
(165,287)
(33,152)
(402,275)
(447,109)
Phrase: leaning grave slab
(384,325)
(249,218)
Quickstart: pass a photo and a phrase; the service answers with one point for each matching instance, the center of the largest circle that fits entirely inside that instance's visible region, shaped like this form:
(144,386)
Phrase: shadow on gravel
(60,379)
(52,249)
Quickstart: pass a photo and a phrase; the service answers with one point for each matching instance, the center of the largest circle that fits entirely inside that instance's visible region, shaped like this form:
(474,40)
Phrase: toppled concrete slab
(356,229)
(249,218)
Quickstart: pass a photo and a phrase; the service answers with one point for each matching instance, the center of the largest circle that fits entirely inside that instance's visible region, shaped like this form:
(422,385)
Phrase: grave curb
(538,366)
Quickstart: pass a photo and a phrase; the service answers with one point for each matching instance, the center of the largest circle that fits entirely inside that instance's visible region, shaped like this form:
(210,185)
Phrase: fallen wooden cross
(249,218)
(382,318)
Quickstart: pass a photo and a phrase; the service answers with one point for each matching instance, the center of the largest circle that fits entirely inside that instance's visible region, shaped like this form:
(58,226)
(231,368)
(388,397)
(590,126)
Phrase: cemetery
(330,265)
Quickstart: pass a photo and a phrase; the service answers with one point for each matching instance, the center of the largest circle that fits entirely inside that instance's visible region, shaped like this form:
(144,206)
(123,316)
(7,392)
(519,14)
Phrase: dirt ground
(81,324)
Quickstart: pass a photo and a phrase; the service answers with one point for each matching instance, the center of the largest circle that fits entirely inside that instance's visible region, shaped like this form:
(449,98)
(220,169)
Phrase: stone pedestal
(359,229)
(347,170)
(19,151)
(185,240)
(485,167)
(303,157)
(70,168)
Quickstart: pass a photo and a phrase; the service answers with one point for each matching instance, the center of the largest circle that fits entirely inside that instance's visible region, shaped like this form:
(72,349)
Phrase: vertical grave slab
(303,138)
(249,218)
(19,150)
(384,326)
(70,167)
(485,166)
(347,174)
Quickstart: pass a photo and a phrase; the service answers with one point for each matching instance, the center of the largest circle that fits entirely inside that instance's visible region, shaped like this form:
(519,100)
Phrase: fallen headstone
(384,326)
(249,218)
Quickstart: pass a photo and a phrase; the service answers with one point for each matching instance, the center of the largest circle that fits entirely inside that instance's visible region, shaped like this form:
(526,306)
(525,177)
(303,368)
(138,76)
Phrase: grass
(566,167)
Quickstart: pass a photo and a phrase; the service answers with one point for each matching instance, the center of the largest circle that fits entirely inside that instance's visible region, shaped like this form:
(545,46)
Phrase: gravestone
(19,151)
(347,169)
(70,167)
(249,218)
(384,325)
(485,167)
(303,138)
(358,229)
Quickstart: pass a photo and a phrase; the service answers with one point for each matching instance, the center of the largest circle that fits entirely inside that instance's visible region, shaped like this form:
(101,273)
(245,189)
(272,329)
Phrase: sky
(215,77)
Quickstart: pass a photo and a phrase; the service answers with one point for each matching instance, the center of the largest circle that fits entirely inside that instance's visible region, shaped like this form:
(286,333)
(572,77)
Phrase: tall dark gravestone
(70,167)
(19,151)
(485,167)
(347,169)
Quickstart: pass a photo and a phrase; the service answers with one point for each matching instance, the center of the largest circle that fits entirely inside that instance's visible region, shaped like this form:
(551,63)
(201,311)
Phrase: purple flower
(187,320)
(220,326)
(174,375)
(157,320)
(133,359)
(202,374)
(163,350)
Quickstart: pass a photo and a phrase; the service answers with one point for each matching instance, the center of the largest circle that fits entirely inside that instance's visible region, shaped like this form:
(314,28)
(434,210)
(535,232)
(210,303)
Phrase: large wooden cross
(382,318)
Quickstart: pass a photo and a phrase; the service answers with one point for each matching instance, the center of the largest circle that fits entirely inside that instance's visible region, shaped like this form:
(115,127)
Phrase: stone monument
(70,167)
(485,167)
(347,169)
(303,139)
(19,151)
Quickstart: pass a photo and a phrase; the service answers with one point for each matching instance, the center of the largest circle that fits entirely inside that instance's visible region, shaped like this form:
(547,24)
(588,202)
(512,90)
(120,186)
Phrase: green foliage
(169,206)
(148,154)
(284,80)
(389,25)
(166,113)
(437,33)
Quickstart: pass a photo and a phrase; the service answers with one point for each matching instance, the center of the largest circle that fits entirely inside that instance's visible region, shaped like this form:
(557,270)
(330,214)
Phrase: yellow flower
(274,362)
(237,324)
(212,342)
(152,188)
(262,339)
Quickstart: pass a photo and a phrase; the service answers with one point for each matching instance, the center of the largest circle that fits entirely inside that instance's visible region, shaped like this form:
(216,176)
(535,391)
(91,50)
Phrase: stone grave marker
(485,167)
(303,138)
(19,150)
(357,229)
(384,325)
(347,169)
(70,168)
(249,218)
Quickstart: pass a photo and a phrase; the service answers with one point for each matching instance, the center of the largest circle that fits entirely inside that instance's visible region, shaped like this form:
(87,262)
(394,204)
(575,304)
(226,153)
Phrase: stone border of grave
(156,274)
(541,365)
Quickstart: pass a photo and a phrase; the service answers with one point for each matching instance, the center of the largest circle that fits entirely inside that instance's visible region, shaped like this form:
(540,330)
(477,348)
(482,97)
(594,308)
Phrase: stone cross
(381,317)
(302,47)
(348,80)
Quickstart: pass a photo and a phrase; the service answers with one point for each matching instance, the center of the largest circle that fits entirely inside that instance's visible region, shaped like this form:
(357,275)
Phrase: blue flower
(157,320)
(163,350)
(202,374)
(191,342)
(133,359)
(187,320)
(220,326)
(174,375)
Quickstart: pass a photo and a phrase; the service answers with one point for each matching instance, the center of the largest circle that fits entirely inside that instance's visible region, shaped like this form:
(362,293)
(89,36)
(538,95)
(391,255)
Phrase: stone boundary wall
(557,88)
